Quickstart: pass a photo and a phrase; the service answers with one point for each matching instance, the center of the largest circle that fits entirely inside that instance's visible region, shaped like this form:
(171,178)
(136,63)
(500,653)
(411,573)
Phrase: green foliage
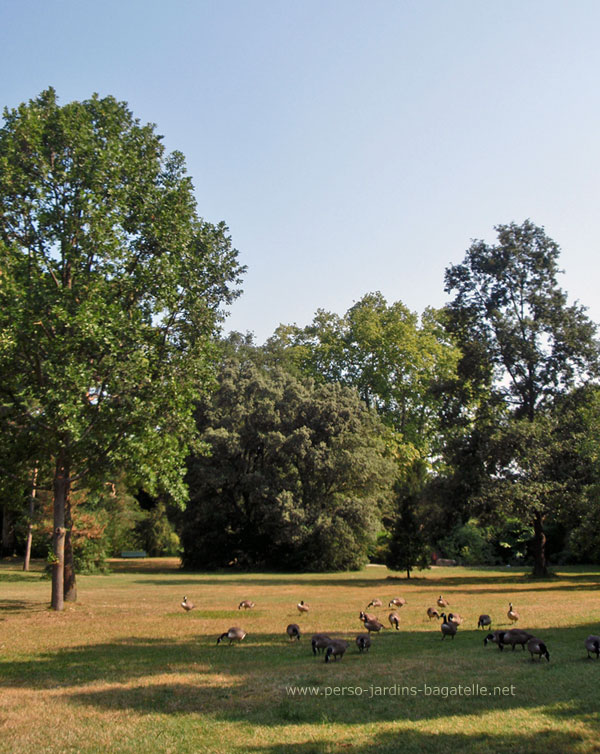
(155,533)
(528,349)
(296,477)
(468,545)
(408,544)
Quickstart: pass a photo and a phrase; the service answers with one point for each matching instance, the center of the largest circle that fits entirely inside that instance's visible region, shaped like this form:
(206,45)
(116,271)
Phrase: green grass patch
(126,669)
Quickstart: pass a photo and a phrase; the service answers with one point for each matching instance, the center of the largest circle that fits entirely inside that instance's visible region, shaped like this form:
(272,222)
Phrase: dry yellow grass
(125,669)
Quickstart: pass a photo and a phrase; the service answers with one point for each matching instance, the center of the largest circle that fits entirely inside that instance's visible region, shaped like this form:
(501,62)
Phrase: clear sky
(351,146)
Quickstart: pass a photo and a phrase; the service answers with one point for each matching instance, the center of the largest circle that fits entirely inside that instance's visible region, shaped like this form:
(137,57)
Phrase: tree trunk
(30,522)
(70,585)
(408,572)
(540,568)
(61,492)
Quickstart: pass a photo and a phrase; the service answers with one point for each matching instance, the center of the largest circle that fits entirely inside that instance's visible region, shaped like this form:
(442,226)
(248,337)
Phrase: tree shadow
(417,742)
(18,606)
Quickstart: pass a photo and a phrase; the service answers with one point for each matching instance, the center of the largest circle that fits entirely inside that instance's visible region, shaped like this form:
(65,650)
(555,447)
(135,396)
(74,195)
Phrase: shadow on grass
(416,742)
(251,682)
(19,606)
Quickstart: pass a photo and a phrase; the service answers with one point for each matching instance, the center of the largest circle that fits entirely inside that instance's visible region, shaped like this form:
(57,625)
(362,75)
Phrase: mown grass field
(126,670)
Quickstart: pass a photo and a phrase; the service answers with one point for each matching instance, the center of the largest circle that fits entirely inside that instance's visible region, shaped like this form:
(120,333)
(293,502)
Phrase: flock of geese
(336,648)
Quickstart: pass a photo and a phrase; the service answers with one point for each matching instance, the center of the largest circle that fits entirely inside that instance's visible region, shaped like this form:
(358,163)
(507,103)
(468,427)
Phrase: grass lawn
(125,669)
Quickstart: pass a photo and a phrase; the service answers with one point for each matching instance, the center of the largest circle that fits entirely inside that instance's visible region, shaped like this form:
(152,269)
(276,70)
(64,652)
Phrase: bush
(468,544)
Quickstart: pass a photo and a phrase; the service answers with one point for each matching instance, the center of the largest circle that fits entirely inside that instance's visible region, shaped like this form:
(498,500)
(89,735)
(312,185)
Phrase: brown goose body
(233,634)
(293,631)
(363,642)
(319,642)
(592,644)
(336,648)
(394,620)
(537,647)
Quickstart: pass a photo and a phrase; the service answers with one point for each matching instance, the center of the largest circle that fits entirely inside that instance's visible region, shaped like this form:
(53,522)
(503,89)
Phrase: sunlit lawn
(126,670)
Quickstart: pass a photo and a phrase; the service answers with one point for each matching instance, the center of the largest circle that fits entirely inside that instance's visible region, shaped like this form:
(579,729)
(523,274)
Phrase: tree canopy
(297,476)
(112,288)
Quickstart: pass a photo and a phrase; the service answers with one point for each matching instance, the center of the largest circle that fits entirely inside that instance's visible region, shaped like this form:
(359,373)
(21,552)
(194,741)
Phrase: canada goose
(187,605)
(375,603)
(592,644)
(246,604)
(537,647)
(496,638)
(515,636)
(335,649)
(363,642)
(442,602)
(484,621)
(394,620)
(448,627)
(234,634)
(513,615)
(302,607)
(456,618)
(319,642)
(397,602)
(293,631)
(432,613)
(373,625)
(366,616)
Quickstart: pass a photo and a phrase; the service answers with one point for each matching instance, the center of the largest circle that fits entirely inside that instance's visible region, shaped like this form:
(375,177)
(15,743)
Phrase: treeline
(129,422)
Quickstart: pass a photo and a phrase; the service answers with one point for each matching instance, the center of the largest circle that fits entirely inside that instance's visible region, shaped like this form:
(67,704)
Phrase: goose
(335,649)
(187,605)
(496,638)
(449,628)
(397,602)
(319,642)
(513,615)
(293,631)
(484,621)
(537,647)
(394,620)
(456,618)
(366,616)
(516,636)
(234,634)
(442,602)
(373,625)
(246,604)
(363,642)
(302,607)
(432,613)
(375,603)
(592,644)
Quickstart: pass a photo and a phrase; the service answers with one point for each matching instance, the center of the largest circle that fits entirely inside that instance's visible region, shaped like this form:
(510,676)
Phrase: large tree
(520,335)
(111,289)
(297,477)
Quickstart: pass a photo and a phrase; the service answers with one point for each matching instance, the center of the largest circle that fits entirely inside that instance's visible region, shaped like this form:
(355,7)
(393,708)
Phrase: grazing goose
(394,620)
(496,637)
(373,625)
(293,631)
(397,602)
(234,634)
(432,613)
(335,649)
(484,621)
(515,636)
(366,616)
(537,647)
(187,605)
(319,642)
(456,618)
(302,607)
(513,615)
(449,628)
(246,604)
(363,642)
(374,603)
(592,644)
(442,602)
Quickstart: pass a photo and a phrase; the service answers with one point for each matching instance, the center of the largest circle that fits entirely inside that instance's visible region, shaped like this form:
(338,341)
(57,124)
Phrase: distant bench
(134,554)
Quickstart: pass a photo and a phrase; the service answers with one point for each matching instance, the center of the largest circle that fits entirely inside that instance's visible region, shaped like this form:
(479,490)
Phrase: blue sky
(350,146)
